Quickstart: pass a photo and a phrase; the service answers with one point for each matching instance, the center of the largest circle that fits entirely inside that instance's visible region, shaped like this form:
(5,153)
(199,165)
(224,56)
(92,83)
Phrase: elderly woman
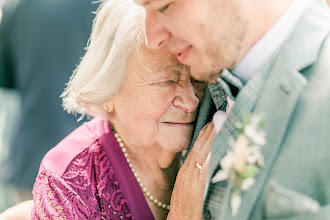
(123,163)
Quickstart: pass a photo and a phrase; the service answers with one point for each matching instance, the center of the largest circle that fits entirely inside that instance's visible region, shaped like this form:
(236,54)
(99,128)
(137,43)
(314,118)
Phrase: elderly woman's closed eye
(123,163)
(156,107)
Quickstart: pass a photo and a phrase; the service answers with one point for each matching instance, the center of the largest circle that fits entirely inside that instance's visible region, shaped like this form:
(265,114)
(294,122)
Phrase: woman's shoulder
(82,143)
(74,193)
(76,178)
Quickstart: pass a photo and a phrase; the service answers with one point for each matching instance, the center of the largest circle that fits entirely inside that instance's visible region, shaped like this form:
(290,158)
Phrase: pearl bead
(143,188)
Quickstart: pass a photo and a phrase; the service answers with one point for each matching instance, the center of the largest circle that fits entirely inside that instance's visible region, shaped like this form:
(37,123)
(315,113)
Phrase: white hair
(117,32)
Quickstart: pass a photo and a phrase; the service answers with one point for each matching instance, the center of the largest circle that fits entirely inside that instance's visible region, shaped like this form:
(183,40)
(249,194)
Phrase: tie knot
(230,83)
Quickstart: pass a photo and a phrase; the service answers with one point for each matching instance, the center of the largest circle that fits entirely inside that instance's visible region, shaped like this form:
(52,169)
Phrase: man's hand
(187,196)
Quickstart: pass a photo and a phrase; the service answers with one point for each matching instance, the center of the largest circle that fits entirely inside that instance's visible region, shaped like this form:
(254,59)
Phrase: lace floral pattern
(87,190)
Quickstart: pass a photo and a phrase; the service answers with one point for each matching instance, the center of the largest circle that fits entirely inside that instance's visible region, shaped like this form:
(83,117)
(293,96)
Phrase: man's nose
(186,98)
(156,34)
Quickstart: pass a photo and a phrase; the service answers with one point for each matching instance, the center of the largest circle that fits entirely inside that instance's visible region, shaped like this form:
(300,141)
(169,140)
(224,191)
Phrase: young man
(270,57)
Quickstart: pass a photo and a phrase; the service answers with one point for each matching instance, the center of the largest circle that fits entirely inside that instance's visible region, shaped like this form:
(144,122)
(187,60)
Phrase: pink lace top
(86,176)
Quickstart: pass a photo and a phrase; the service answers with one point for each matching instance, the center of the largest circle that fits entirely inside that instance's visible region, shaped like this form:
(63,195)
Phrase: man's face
(206,35)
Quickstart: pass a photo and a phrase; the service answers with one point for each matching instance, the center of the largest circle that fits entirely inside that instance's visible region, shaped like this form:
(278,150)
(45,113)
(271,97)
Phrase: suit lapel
(245,103)
(279,95)
(214,99)
(283,87)
(204,114)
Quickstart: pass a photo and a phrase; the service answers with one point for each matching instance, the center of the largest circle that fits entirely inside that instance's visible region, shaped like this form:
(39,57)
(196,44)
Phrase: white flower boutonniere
(244,160)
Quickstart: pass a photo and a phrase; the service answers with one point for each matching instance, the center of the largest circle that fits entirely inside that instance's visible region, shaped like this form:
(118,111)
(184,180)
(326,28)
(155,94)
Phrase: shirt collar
(258,55)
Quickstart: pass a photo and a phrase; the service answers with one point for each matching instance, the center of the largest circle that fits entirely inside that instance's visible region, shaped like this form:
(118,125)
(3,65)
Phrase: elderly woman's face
(156,106)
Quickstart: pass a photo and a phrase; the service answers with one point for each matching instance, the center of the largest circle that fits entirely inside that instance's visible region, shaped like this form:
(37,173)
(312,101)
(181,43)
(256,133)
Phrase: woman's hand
(21,211)
(187,196)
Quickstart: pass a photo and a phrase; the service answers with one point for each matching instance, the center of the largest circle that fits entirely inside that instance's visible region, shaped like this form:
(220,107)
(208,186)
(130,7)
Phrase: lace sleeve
(55,199)
(87,189)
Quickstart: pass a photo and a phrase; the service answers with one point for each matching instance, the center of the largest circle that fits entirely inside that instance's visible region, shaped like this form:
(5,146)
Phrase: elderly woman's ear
(108,107)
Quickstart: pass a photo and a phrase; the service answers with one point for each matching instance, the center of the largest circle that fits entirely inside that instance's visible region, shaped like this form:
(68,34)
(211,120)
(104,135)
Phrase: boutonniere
(243,160)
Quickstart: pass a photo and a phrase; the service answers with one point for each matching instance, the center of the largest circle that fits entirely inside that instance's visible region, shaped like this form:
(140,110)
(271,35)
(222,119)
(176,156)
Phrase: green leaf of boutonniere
(244,160)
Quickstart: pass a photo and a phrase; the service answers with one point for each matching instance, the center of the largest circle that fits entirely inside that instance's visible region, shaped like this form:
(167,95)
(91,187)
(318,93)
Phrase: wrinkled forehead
(158,59)
(151,63)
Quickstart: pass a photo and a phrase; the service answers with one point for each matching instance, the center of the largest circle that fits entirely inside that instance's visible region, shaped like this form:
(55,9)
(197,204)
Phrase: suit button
(207,215)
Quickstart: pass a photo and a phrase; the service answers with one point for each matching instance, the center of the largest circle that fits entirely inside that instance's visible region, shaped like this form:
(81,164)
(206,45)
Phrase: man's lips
(182,54)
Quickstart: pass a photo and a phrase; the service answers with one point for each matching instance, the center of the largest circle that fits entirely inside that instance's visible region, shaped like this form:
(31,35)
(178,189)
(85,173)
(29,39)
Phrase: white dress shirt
(258,55)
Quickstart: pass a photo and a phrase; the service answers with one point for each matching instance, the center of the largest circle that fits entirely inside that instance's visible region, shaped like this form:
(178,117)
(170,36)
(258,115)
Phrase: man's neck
(261,16)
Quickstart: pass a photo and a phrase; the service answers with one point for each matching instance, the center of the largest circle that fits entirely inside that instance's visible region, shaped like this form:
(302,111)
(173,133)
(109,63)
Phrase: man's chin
(213,80)
(205,76)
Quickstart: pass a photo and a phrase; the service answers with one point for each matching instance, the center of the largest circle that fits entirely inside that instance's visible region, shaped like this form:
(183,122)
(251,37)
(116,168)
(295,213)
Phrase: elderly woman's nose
(186,98)
(156,34)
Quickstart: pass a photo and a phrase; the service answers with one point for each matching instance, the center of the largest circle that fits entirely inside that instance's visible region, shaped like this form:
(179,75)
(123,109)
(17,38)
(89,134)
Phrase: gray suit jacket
(293,90)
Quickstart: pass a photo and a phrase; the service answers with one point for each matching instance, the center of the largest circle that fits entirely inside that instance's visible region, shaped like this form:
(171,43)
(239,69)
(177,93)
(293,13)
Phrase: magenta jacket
(86,176)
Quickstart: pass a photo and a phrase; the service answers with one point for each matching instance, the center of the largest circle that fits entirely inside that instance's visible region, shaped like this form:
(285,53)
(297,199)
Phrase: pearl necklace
(144,189)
